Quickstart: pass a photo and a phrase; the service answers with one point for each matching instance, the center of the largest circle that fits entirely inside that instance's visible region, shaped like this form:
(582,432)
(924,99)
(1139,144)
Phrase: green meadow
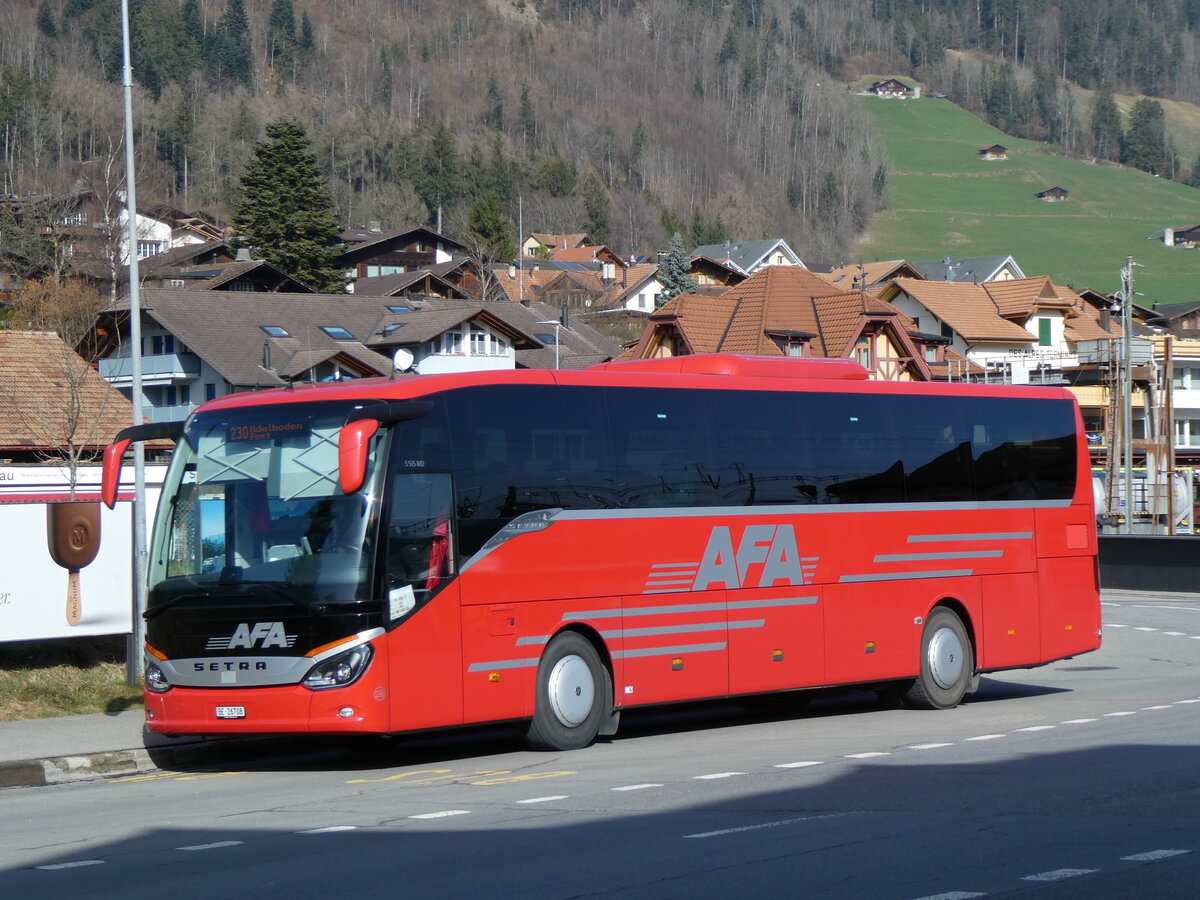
(944,199)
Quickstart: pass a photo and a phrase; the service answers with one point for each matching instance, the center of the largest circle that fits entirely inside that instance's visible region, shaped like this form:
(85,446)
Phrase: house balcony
(161,370)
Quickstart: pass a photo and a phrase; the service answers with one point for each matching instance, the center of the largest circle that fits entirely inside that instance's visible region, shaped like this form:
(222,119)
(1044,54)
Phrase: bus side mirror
(354,442)
(110,475)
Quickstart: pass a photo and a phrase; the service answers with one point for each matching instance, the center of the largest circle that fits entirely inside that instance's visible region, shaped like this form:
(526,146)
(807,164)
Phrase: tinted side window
(661,447)
(763,444)
(524,447)
(1024,451)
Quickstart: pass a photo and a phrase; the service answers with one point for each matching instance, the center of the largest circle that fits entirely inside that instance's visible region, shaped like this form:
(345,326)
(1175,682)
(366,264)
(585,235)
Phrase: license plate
(231,712)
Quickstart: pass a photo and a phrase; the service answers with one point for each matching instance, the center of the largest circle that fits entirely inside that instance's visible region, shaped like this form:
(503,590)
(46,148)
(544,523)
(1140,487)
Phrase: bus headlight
(156,681)
(340,670)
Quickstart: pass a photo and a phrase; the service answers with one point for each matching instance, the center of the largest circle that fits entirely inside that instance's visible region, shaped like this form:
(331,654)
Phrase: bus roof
(712,370)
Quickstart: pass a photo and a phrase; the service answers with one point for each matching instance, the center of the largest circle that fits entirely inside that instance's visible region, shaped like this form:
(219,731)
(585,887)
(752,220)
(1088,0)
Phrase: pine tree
(673,272)
(45,20)
(491,228)
(493,105)
(1106,125)
(1145,142)
(439,181)
(286,212)
(307,41)
(597,205)
(281,35)
(233,42)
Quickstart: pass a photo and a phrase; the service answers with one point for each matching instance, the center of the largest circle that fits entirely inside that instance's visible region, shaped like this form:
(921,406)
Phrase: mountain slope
(945,200)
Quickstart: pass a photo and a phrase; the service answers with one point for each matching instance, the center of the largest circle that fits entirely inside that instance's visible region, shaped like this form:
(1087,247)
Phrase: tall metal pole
(137,637)
(1127,387)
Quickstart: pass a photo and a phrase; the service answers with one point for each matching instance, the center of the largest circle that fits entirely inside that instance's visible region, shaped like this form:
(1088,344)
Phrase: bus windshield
(253,513)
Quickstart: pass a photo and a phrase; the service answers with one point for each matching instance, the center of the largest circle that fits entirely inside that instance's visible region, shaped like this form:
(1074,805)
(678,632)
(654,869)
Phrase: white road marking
(445,813)
(953,895)
(1197,700)
(1037,728)
(1163,706)
(929,746)
(1145,628)
(549,799)
(1139,606)
(1152,855)
(708,834)
(635,787)
(717,775)
(329,829)
(216,845)
(1113,625)
(868,755)
(1058,874)
(71,865)
(1127,712)
(985,737)
(1076,721)
(798,765)
(1175,633)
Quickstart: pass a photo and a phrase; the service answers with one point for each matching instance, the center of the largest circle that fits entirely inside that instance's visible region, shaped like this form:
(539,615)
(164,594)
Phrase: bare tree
(70,430)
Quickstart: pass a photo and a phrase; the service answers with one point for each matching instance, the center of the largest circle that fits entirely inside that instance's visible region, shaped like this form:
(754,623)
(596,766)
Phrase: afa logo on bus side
(765,556)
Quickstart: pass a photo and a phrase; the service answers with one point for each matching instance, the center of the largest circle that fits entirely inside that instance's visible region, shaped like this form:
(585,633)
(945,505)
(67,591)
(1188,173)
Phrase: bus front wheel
(947,663)
(568,708)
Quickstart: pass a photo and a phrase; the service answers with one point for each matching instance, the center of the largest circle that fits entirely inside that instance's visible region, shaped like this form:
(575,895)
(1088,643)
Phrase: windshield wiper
(286,595)
(158,608)
(167,604)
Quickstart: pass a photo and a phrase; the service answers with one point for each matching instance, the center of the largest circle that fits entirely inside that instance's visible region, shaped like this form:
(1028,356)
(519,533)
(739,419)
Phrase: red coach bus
(553,547)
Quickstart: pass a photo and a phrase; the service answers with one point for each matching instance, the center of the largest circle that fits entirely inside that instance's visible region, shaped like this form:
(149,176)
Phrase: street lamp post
(557,325)
(137,635)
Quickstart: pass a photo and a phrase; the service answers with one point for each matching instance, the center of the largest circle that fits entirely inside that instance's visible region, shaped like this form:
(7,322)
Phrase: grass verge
(41,679)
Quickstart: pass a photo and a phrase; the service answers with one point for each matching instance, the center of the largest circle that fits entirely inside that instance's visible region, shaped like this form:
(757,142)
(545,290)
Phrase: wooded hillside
(628,120)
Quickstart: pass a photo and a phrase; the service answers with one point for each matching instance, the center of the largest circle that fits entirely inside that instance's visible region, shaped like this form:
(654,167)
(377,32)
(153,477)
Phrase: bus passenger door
(673,647)
(424,646)
(776,639)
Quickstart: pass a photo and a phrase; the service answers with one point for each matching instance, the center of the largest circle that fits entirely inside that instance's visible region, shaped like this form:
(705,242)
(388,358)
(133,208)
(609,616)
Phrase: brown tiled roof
(966,308)
(701,320)
(872,272)
(1020,297)
(559,241)
(37,373)
(531,282)
(1085,325)
(774,298)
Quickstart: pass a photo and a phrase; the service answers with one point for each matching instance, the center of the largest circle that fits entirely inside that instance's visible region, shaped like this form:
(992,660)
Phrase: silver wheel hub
(945,655)
(571,690)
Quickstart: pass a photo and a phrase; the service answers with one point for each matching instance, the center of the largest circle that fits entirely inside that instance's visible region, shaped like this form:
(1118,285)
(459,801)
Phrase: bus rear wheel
(947,663)
(568,707)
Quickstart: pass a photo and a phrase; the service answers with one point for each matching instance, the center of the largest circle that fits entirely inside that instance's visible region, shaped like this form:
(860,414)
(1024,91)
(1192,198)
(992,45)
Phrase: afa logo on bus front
(766,556)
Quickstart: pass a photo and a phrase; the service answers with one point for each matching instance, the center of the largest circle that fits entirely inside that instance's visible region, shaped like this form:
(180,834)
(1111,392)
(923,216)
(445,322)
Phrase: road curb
(137,761)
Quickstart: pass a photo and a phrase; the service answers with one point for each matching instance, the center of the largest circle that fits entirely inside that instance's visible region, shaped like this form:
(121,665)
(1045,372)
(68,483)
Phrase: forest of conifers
(628,120)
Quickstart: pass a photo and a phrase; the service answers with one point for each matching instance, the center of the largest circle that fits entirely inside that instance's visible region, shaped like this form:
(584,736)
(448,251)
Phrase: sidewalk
(72,748)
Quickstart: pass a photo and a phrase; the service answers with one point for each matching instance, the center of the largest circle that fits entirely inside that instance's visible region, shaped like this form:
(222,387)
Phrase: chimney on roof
(565,318)
(373,227)
(243,255)
(512,270)
(266,363)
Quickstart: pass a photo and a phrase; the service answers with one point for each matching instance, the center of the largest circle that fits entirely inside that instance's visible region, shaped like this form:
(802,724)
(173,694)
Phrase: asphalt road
(1079,779)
